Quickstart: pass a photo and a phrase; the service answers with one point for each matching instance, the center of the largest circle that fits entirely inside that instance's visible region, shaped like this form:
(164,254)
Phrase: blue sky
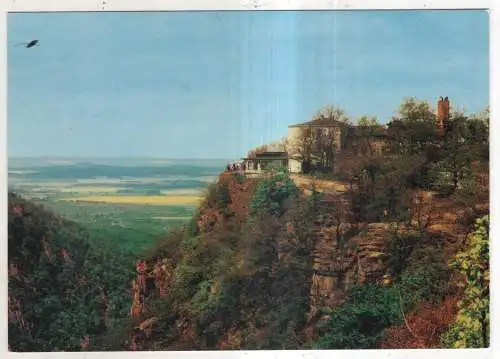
(214,85)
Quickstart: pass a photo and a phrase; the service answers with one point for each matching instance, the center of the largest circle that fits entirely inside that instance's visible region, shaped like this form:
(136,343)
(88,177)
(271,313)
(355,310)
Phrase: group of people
(236,166)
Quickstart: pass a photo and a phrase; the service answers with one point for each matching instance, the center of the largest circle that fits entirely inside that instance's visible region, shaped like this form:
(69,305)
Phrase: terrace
(265,160)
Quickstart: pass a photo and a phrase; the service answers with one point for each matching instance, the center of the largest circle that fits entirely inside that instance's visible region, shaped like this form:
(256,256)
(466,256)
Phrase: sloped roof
(270,154)
(320,122)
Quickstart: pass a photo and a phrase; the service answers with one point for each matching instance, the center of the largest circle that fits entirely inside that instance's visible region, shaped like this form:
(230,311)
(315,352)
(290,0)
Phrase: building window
(319,132)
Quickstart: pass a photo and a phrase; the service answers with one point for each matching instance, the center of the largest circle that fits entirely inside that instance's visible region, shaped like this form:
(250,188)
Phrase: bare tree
(333,120)
(303,144)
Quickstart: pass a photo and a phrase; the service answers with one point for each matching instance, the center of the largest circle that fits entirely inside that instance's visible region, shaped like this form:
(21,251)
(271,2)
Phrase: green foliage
(360,322)
(167,247)
(271,193)
(472,325)
(366,121)
(425,277)
(240,178)
(414,129)
(399,249)
(315,197)
(61,298)
(218,195)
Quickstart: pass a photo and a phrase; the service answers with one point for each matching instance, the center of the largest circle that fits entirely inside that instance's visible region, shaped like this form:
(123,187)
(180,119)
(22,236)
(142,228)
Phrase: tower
(443,111)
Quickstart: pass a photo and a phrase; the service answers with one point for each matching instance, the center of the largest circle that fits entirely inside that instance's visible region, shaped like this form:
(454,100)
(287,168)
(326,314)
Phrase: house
(265,160)
(366,139)
(315,143)
(320,140)
(308,138)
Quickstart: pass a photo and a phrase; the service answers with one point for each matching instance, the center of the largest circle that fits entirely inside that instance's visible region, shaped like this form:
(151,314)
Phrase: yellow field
(90,189)
(193,192)
(152,200)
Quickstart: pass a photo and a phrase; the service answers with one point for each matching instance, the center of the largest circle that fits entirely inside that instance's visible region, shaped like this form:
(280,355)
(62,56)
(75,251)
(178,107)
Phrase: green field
(129,206)
(129,227)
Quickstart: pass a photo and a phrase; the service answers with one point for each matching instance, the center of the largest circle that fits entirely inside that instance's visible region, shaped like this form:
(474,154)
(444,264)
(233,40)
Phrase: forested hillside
(398,258)
(65,288)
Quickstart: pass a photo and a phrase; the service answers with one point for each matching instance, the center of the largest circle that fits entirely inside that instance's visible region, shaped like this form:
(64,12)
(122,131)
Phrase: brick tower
(443,111)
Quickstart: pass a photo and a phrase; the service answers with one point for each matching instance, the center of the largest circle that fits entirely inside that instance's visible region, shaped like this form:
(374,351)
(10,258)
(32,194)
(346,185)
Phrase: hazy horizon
(33,162)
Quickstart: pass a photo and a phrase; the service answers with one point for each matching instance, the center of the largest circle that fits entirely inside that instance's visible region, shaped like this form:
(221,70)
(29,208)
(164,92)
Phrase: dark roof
(376,131)
(320,122)
(266,158)
(269,156)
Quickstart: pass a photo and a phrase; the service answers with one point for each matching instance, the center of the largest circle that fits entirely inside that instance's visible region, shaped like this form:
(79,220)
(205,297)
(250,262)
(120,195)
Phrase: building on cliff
(314,143)
(265,160)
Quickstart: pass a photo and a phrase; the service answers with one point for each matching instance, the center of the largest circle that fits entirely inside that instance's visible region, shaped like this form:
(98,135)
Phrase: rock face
(344,254)
(348,254)
(340,263)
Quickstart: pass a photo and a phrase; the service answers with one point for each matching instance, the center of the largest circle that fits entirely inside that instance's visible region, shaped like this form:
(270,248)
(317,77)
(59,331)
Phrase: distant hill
(22,162)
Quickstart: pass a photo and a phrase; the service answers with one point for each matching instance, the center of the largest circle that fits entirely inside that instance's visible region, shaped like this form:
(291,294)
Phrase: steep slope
(264,265)
(236,280)
(63,292)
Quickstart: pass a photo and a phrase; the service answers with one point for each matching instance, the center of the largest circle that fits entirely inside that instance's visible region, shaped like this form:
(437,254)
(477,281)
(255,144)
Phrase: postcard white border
(156,5)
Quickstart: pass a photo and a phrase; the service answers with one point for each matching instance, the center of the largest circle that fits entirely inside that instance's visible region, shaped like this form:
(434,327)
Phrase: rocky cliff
(313,240)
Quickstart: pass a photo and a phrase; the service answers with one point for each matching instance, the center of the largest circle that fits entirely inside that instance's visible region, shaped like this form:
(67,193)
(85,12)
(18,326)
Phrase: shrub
(360,322)
(271,193)
(239,178)
(400,247)
(218,196)
(425,278)
(167,247)
(472,325)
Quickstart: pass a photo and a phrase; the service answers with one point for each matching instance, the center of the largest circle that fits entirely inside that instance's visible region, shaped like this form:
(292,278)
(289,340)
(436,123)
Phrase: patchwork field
(128,203)
(148,200)
(90,189)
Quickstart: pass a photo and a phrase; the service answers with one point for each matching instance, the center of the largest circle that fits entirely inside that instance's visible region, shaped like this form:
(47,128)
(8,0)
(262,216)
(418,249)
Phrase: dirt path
(305,183)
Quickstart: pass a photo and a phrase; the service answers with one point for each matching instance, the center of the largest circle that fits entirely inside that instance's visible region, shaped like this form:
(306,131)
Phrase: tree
(472,326)
(365,121)
(326,140)
(366,129)
(260,149)
(414,110)
(63,288)
(275,146)
(326,147)
(303,146)
(466,141)
(414,129)
(331,113)
(278,146)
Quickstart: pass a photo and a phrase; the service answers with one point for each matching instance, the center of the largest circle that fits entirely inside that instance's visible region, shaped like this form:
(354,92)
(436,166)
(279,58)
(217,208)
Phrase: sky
(216,84)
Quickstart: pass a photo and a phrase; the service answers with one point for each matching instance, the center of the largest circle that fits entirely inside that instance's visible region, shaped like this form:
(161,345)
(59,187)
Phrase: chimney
(442,111)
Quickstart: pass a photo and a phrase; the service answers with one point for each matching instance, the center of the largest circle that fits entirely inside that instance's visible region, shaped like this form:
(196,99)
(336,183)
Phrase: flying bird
(29,44)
